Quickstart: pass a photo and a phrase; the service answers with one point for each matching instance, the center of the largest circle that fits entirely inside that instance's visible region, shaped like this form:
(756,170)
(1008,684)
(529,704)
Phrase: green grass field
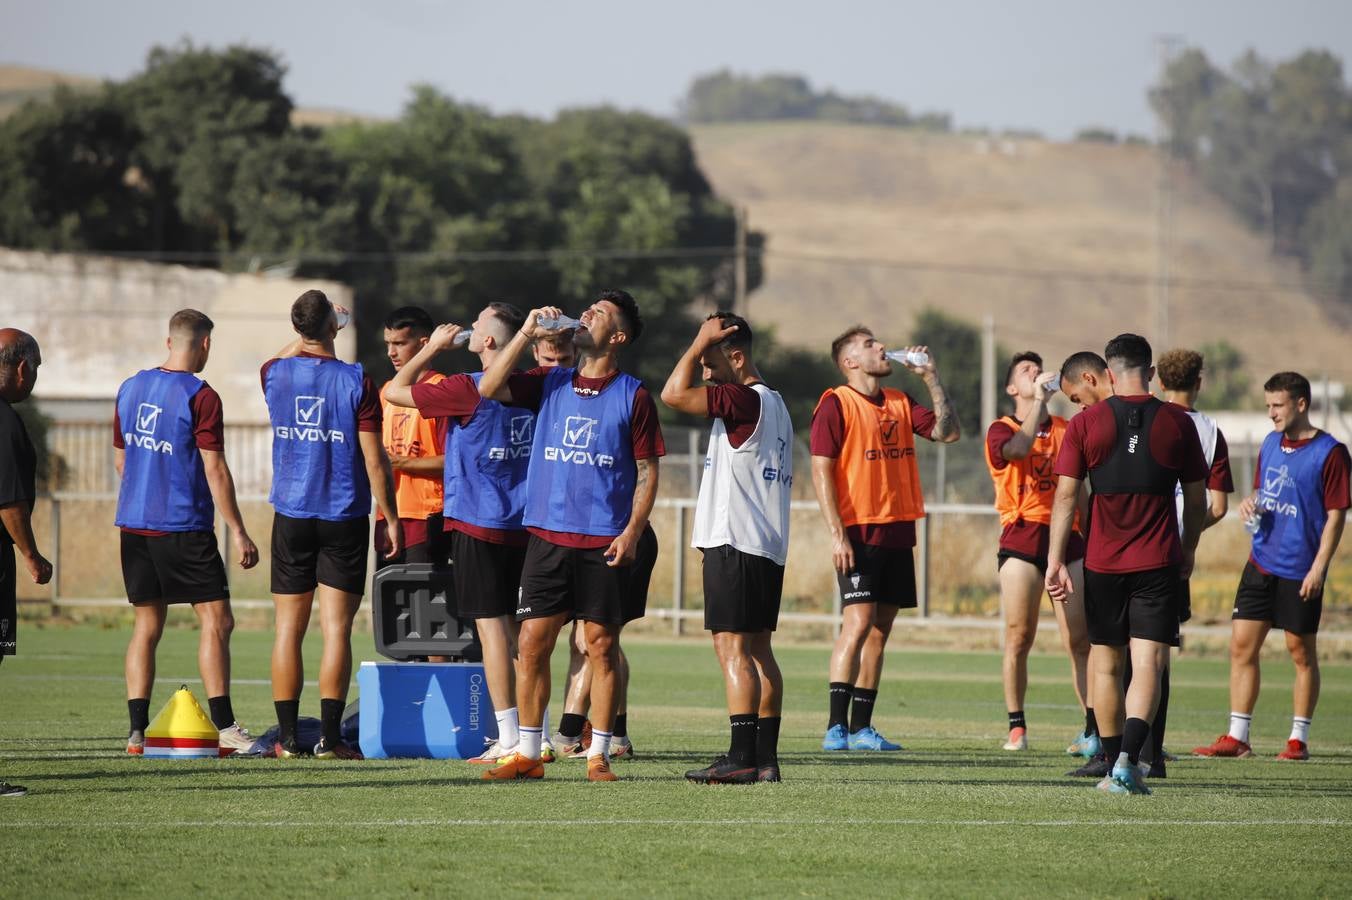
(951,816)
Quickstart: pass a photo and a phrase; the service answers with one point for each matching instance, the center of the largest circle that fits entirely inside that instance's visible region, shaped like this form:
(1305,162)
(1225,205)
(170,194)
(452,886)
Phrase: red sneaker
(1225,746)
(1295,750)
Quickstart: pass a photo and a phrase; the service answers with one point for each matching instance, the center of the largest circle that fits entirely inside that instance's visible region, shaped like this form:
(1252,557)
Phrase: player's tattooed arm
(946,428)
(621,550)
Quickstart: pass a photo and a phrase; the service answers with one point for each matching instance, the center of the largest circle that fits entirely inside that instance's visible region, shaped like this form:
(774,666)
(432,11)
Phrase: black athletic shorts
(881,575)
(645,557)
(741,591)
(435,551)
(558,579)
(487,576)
(1269,598)
(179,567)
(1118,607)
(310,552)
(9,601)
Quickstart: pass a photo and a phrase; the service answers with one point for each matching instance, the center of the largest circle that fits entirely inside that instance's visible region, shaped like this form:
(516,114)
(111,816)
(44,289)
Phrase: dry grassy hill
(1057,241)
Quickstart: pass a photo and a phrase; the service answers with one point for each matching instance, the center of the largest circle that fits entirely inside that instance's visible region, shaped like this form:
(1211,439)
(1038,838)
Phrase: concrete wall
(100,319)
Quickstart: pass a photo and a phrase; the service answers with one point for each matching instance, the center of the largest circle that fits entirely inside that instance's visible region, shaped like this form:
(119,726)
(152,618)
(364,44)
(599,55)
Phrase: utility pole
(1165,46)
(739,299)
(987,370)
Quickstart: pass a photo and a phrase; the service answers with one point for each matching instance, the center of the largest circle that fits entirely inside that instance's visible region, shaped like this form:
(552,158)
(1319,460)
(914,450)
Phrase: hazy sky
(1053,66)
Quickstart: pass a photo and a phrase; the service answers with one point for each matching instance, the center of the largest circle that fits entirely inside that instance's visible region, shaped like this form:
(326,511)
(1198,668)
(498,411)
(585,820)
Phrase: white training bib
(1206,432)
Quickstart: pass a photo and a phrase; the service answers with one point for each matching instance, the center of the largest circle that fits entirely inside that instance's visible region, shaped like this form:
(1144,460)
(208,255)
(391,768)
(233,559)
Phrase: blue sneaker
(1124,780)
(836,738)
(1086,745)
(869,739)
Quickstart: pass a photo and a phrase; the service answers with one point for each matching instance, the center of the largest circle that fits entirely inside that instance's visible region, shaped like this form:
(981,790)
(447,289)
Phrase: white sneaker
(494,753)
(1018,739)
(547,753)
(236,740)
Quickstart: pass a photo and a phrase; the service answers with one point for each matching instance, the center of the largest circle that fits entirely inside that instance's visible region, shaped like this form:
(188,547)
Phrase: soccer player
(487,455)
(1133,448)
(868,486)
(1301,481)
(170,457)
(590,489)
(742,529)
(416,447)
(1020,453)
(20,357)
(327,462)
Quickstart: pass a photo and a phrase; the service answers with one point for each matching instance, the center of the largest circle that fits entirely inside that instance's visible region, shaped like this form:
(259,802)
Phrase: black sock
(1112,747)
(222,713)
(767,740)
(1090,723)
(1133,739)
(139,712)
(743,749)
(288,711)
(331,720)
(1016,720)
(861,710)
(1161,719)
(570,725)
(840,704)
(621,726)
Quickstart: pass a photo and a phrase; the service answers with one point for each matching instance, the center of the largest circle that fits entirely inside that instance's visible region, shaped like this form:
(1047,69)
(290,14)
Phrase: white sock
(509,734)
(1300,729)
(544,724)
(1239,726)
(530,743)
(600,745)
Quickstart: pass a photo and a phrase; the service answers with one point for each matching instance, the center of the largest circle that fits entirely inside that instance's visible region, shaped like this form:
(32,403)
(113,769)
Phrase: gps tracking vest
(317,468)
(1131,468)
(877,480)
(164,487)
(1025,488)
(582,471)
(486,464)
(1291,496)
(744,495)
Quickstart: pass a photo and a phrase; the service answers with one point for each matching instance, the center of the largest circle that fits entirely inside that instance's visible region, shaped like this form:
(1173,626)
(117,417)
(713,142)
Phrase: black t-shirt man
(18,478)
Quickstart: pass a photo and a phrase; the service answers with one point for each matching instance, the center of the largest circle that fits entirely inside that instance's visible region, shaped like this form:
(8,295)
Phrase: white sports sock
(1239,726)
(544,724)
(509,734)
(600,745)
(530,743)
(1300,729)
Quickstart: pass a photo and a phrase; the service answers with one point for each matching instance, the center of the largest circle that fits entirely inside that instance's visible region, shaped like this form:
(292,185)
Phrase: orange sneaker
(516,767)
(1295,750)
(1225,746)
(598,769)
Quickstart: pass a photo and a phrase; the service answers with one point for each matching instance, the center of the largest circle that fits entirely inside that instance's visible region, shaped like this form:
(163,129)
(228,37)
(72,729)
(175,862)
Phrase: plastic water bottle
(562,323)
(462,338)
(343,317)
(1054,385)
(909,357)
(1254,523)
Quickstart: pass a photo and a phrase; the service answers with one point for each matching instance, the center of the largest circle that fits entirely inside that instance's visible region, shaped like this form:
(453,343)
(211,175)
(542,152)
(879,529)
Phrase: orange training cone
(182,730)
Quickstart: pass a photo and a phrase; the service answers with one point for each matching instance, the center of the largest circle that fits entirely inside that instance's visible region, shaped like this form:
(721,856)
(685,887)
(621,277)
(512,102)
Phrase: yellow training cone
(182,730)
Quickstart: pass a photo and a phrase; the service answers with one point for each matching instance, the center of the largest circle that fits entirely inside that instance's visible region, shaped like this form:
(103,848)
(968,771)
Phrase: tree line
(725,96)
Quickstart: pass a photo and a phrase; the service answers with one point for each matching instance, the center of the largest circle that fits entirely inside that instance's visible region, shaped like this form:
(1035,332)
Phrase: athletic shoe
(136,743)
(1098,767)
(621,748)
(1086,745)
(598,769)
(236,740)
(336,750)
(1018,739)
(1295,750)
(1225,746)
(768,774)
(547,752)
(724,771)
(1168,757)
(1155,770)
(516,767)
(868,738)
(837,738)
(12,790)
(494,753)
(286,751)
(1124,780)
(566,747)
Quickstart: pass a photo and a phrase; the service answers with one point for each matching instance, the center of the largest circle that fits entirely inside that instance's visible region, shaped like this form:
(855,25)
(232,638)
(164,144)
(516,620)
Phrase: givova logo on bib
(578,434)
(147,423)
(308,423)
(520,433)
(1276,480)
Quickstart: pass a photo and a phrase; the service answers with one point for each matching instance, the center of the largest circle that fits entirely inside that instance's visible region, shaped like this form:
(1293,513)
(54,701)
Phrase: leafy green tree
(1225,384)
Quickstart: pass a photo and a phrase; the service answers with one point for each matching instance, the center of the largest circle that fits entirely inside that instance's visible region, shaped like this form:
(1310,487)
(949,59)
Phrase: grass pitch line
(710,823)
